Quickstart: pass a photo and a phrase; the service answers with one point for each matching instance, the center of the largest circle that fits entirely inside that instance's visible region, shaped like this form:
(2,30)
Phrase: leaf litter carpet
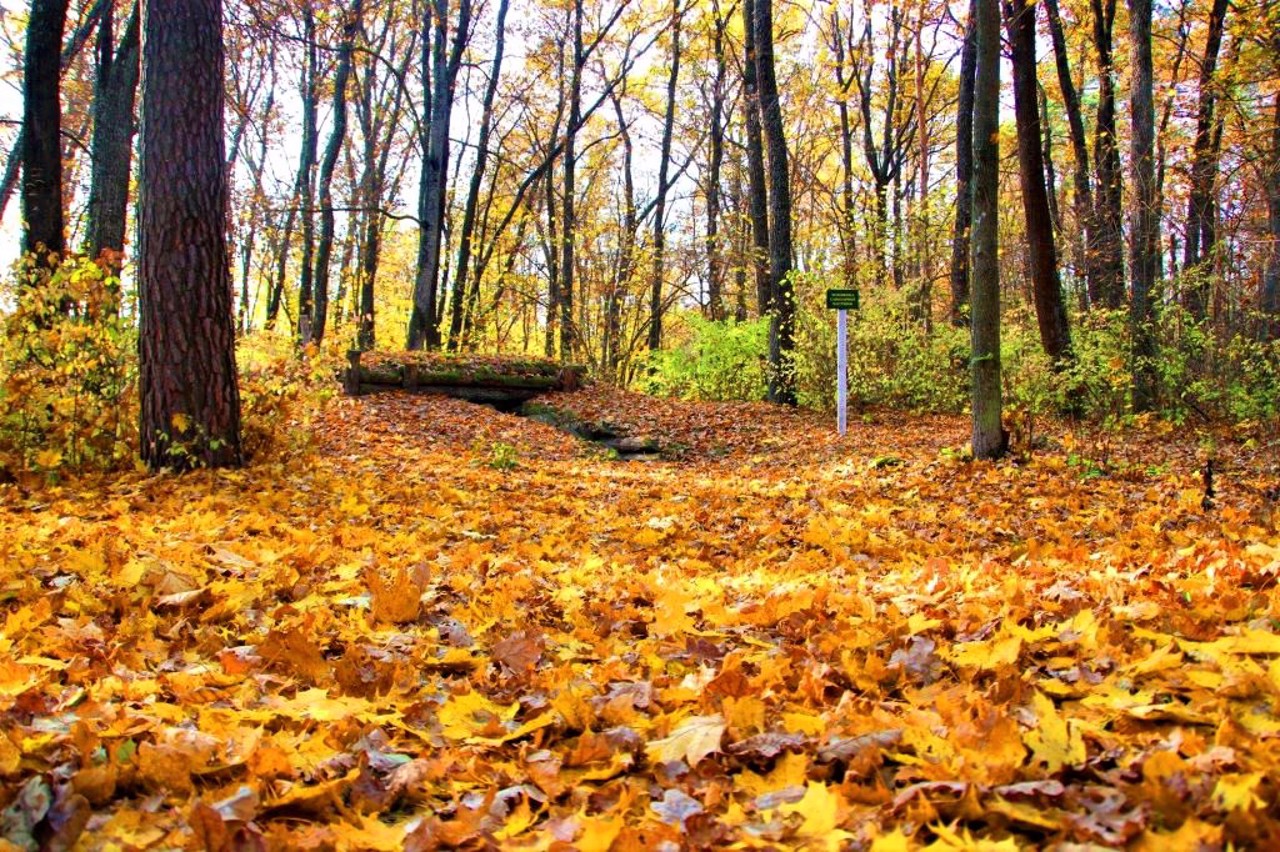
(440,626)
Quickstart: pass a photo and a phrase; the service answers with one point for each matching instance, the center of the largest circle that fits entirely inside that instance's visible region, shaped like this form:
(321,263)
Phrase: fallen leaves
(777,639)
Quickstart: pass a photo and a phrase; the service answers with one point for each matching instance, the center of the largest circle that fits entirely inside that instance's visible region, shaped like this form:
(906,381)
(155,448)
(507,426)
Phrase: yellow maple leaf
(691,741)
(821,809)
(1237,792)
(1055,742)
(471,714)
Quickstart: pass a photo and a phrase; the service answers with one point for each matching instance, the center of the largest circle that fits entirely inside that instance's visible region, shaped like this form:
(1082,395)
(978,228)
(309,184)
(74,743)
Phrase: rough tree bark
(1145,211)
(190,405)
(715,164)
(568,231)
(42,129)
(1042,251)
(782,379)
(306,173)
(1270,301)
(989,439)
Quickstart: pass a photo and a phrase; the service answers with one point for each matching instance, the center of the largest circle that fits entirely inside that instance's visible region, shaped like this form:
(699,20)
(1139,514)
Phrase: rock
(633,445)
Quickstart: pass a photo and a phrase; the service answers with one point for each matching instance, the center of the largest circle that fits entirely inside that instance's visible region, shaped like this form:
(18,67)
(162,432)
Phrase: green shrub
(710,360)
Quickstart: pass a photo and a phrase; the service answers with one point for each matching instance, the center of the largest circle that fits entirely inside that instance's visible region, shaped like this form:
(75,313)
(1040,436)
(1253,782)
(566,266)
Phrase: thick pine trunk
(1051,313)
(988,434)
(190,403)
(42,129)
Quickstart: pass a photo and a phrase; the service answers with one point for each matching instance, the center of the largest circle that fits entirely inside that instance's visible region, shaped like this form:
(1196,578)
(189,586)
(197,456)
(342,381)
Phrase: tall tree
(1082,186)
(1201,231)
(1108,212)
(964,174)
(1042,250)
(42,128)
(757,183)
(190,404)
(465,284)
(1270,301)
(715,163)
(337,135)
(989,440)
(1144,215)
(782,378)
(569,226)
(111,149)
(664,185)
(440,77)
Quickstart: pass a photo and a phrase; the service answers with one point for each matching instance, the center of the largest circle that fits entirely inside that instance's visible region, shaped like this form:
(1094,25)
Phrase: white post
(842,370)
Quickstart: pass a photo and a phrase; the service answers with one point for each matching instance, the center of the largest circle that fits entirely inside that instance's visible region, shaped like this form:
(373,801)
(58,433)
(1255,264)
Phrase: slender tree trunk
(1270,301)
(424,331)
(664,186)
(1051,313)
(1144,215)
(568,231)
(1109,243)
(462,287)
(964,174)
(111,148)
(626,249)
(306,172)
(1200,231)
(782,379)
(338,134)
(42,129)
(190,405)
(757,192)
(1082,188)
(989,439)
(715,270)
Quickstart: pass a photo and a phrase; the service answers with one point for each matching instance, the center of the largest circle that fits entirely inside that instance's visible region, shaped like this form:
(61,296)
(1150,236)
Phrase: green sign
(843,300)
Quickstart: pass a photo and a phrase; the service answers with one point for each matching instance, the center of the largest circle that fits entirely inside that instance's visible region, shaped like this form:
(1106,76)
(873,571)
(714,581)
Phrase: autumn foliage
(434,625)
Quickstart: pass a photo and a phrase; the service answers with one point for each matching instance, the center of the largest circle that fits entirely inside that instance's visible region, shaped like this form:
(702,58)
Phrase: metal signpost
(842,301)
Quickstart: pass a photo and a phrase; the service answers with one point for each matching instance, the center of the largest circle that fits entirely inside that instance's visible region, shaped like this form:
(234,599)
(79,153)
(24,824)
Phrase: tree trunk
(1200,231)
(190,405)
(42,130)
(1083,190)
(306,172)
(782,378)
(423,328)
(568,213)
(111,148)
(338,134)
(989,440)
(1108,213)
(757,192)
(1144,216)
(664,186)
(1270,301)
(1051,313)
(715,266)
(462,283)
(964,174)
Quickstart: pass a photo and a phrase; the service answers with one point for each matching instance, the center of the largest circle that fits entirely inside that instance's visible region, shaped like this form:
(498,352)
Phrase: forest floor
(439,626)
